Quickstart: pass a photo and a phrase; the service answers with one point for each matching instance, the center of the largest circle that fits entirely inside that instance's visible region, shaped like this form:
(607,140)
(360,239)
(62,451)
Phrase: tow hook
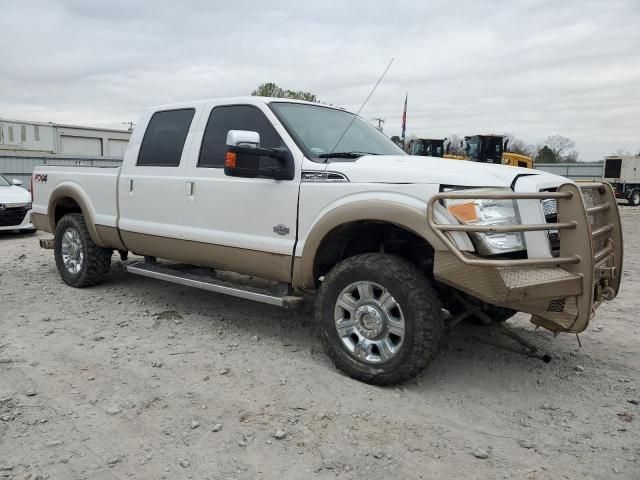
(46,243)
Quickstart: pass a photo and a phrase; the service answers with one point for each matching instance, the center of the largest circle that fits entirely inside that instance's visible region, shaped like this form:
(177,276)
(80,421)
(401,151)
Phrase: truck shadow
(469,352)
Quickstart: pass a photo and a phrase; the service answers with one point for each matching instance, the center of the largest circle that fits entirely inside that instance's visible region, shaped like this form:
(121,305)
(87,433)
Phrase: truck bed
(99,182)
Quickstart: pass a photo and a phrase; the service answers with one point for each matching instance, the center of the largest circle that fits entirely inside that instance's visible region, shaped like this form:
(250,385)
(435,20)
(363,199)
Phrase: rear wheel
(634,198)
(379,319)
(80,262)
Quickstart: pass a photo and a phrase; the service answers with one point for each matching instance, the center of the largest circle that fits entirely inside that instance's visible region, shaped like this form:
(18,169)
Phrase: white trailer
(623,173)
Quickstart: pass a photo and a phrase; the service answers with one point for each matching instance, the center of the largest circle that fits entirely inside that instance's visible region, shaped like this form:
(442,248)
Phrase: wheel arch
(344,221)
(70,198)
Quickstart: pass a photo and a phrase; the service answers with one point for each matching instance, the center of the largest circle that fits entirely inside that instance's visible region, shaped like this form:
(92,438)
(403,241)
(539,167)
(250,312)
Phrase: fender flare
(409,217)
(75,193)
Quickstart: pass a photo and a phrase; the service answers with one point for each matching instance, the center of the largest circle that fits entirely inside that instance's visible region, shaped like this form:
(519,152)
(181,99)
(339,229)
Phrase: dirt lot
(141,379)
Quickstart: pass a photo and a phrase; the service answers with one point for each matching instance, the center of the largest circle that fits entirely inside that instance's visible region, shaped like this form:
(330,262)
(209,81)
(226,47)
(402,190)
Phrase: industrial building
(25,144)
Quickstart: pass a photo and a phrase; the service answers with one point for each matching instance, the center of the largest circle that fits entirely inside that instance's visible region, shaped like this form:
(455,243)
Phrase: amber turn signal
(230,160)
(465,212)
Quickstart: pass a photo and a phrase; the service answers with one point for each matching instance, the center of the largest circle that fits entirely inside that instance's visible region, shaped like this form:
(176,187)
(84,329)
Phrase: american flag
(404,117)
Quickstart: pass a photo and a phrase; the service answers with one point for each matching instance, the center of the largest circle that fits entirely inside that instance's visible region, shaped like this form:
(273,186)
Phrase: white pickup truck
(314,200)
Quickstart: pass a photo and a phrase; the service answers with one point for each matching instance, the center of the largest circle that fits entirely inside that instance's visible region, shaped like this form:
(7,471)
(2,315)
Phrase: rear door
(151,183)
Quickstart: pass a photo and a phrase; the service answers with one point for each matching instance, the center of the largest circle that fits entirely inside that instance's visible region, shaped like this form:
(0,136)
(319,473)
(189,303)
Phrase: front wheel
(379,319)
(634,198)
(80,262)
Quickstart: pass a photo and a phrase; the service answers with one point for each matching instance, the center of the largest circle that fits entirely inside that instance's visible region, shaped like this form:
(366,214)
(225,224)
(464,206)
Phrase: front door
(247,225)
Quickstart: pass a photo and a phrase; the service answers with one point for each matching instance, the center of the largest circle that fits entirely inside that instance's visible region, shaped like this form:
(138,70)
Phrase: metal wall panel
(80,145)
(21,166)
(574,171)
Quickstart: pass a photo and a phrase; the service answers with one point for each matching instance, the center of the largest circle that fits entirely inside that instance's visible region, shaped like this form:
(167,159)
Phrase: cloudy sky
(527,67)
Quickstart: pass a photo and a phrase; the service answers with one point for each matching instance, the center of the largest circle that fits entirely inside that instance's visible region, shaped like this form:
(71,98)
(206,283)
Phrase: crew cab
(314,201)
(15,206)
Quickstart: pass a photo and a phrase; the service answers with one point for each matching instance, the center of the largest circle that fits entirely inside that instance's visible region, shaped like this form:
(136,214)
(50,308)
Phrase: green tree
(270,89)
(557,149)
(546,155)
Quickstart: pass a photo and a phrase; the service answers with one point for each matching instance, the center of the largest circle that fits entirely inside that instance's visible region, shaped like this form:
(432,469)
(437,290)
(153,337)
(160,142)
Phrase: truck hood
(416,169)
(14,194)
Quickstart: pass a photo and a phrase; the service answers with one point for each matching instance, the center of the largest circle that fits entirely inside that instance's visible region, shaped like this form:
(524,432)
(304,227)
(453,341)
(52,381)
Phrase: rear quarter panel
(94,188)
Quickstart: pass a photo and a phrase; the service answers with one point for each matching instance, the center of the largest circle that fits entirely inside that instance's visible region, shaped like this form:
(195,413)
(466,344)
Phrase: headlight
(489,212)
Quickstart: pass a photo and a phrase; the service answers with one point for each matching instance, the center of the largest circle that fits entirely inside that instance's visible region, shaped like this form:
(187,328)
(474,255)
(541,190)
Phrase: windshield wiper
(345,154)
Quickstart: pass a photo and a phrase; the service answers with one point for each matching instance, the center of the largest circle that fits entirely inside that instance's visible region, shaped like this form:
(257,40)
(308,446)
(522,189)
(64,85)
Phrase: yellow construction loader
(494,149)
(432,147)
(478,148)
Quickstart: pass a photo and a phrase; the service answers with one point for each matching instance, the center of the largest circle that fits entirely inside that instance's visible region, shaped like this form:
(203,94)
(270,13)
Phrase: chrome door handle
(190,189)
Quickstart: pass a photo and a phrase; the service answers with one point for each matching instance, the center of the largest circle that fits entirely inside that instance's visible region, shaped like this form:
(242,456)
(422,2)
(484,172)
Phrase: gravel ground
(137,378)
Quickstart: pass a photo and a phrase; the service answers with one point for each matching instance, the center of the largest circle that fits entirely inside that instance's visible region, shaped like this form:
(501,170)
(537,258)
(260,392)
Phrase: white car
(15,206)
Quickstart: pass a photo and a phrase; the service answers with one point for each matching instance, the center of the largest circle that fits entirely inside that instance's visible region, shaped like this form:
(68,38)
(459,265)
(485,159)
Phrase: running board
(206,283)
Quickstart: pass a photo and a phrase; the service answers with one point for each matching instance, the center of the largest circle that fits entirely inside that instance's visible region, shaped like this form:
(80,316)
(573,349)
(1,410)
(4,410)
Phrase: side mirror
(245,158)
(244,138)
(16,182)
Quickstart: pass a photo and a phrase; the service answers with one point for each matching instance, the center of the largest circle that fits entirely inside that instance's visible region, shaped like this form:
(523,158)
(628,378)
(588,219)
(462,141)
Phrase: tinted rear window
(165,136)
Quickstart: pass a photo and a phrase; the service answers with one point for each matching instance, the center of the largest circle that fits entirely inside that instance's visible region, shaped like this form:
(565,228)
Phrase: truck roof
(244,99)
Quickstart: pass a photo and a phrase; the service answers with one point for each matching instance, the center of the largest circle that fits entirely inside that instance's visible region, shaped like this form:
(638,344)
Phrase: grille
(12,216)
(593,198)
(550,209)
(557,305)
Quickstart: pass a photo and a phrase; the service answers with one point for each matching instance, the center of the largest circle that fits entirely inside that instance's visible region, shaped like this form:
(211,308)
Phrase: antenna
(362,106)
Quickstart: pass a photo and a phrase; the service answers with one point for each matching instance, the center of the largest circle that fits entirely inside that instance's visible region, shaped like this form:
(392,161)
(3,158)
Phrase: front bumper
(561,293)
(15,217)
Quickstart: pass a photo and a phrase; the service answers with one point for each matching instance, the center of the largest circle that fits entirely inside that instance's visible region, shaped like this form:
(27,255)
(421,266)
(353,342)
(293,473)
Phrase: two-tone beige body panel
(102,235)
(267,265)
(410,218)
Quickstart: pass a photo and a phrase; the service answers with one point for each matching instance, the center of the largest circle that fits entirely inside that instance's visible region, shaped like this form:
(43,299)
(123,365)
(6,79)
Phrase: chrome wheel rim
(72,251)
(370,322)
(636,198)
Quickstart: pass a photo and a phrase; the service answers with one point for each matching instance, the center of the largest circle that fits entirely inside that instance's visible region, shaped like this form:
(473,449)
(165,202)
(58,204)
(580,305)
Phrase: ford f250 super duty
(313,200)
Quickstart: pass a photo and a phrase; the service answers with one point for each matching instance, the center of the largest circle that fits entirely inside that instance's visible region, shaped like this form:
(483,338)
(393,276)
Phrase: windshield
(473,147)
(4,182)
(417,148)
(317,130)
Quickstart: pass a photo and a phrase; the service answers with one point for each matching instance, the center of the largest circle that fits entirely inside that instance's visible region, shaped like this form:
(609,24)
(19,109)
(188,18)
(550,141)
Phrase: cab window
(164,138)
(235,117)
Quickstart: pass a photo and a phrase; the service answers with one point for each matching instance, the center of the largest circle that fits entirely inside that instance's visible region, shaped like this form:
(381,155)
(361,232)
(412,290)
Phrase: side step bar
(206,283)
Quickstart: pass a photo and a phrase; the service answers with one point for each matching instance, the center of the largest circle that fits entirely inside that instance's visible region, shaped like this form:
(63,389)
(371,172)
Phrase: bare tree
(572,157)
(455,145)
(559,145)
(517,145)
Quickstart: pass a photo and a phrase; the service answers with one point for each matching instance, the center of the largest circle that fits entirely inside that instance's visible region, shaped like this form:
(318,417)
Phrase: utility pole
(380,123)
